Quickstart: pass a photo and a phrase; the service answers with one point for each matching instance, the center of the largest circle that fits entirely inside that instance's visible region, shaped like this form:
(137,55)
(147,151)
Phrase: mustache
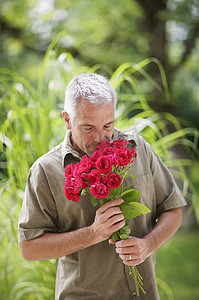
(110,140)
(97,144)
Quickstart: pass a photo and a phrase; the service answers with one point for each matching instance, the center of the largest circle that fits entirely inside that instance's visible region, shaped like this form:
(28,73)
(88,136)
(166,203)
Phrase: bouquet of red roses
(101,176)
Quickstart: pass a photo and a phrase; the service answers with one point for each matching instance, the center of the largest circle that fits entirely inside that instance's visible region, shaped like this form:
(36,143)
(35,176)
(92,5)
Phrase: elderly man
(50,226)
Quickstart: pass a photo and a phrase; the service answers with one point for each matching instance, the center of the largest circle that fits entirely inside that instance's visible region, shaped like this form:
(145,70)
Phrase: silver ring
(130,257)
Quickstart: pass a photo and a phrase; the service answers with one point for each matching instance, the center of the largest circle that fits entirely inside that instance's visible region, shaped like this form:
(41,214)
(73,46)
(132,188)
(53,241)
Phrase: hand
(108,219)
(132,251)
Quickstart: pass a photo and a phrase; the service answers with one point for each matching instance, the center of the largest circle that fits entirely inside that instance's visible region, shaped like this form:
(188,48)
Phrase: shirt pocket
(143,224)
(144,184)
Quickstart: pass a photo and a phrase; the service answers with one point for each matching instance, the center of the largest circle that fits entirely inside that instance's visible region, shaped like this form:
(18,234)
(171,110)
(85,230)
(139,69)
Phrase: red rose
(83,167)
(69,170)
(85,185)
(77,183)
(134,153)
(68,182)
(103,180)
(76,168)
(94,157)
(107,151)
(104,164)
(123,156)
(99,190)
(94,176)
(103,145)
(113,180)
(120,143)
(71,194)
(85,164)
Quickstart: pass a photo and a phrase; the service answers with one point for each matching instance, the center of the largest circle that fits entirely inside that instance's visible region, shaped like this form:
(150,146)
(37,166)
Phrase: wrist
(92,237)
(149,245)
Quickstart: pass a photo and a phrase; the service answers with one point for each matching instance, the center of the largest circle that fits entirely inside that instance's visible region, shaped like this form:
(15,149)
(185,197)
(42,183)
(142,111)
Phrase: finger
(129,257)
(117,226)
(115,219)
(110,204)
(112,211)
(130,242)
(133,262)
(126,250)
(111,242)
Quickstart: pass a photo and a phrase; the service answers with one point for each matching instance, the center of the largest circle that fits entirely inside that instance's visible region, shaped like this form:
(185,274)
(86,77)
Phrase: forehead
(87,111)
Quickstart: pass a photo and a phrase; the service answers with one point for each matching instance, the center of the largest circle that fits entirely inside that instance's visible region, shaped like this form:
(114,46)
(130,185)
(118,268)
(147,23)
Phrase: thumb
(111,242)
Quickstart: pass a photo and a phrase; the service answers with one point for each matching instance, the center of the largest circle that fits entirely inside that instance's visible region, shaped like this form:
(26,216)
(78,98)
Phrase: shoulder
(48,162)
(134,138)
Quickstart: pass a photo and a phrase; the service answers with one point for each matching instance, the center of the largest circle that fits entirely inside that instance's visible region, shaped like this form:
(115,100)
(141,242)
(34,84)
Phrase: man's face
(92,125)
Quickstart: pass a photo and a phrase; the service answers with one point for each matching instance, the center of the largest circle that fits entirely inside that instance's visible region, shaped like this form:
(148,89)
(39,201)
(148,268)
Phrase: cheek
(86,139)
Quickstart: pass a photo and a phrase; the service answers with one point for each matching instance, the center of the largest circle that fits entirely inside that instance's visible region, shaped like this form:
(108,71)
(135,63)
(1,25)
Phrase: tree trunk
(157,30)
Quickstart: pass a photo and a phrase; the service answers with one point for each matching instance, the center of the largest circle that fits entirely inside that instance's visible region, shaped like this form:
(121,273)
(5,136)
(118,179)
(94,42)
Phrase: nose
(99,137)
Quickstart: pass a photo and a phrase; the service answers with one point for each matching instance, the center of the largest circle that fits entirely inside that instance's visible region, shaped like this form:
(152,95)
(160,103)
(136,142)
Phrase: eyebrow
(109,123)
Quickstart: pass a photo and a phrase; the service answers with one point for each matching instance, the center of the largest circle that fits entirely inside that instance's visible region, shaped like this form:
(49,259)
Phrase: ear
(66,119)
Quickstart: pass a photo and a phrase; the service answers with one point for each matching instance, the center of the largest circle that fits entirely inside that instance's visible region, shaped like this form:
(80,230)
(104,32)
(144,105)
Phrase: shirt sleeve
(38,213)
(168,195)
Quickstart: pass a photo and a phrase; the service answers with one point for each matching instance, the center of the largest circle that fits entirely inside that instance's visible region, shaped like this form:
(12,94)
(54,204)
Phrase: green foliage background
(43,45)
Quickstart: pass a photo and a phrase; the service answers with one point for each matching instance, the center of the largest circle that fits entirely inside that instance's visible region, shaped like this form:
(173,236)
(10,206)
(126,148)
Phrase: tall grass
(31,124)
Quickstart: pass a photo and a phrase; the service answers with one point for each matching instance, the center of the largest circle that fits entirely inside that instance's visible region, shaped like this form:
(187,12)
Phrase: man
(50,226)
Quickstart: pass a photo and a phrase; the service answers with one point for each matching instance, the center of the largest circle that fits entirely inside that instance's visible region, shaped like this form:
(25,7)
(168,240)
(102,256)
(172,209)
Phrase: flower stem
(138,280)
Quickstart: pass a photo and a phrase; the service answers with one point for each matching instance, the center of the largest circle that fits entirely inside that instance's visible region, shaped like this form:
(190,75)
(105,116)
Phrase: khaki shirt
(96,272)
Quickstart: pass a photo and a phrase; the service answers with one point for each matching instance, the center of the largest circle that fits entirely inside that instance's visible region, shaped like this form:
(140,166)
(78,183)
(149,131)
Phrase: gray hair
(93,87)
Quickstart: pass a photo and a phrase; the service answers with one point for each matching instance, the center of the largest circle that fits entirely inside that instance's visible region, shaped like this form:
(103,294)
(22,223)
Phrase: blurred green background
(150,52)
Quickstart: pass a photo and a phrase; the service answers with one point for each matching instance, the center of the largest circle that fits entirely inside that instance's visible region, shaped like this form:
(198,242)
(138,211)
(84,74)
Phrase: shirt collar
(68,151)
(129,135)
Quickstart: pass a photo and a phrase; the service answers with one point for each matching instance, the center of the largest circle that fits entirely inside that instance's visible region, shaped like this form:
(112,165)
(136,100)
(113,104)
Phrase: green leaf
(115,236)
(126,192)
(83,192)
(130,187)
(133,209)
(94,200)
(129,212)
(125,230)
(139,207)
(124,236)
(131,196)
(114,192)
(132,175)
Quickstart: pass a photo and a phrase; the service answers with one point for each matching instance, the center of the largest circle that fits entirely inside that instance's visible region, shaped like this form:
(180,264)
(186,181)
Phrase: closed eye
(88,128)
(107,126)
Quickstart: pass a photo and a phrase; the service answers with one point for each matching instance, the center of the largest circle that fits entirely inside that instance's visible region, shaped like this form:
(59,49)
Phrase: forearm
(108,219)
(166,226)
(55,245)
